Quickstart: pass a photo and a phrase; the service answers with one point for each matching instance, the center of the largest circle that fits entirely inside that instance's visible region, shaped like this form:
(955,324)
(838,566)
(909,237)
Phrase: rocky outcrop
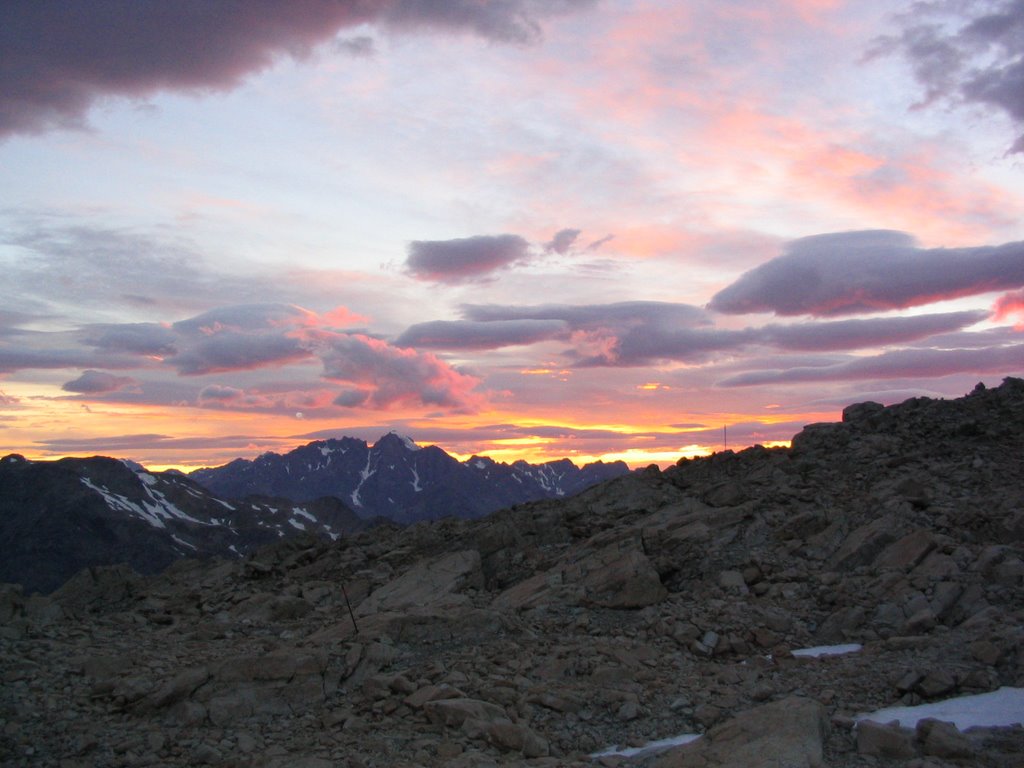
(658,604)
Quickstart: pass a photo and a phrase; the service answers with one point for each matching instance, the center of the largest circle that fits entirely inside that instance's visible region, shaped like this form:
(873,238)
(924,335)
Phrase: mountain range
(398,480)
(58,517)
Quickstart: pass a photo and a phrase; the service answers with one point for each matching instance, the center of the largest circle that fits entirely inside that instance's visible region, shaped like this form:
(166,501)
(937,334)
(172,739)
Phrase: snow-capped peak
(407,442)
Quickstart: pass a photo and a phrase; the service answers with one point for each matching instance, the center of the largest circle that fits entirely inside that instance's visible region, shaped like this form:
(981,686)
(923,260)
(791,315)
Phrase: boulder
(789,732)
(942,739)
(514,737)
(618,575)
(865,543)
(430,582)
(884,740)
(906,553)
(454,712)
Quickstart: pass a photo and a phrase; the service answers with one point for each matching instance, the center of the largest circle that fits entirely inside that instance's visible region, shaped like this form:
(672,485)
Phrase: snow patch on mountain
(303,513)
(117,502)
(364,475)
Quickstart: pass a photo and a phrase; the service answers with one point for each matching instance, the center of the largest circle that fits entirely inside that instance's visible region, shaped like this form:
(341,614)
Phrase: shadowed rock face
(57,517)
(656,604)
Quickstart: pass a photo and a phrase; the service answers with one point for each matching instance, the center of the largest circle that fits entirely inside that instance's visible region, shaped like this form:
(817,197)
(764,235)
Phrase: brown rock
(513,737)
(986,652)
(619,576)
(181,686)
(883,740)
(935,683)
(454,712)
(907,552)
(943,740)
(428,583)
(864,544)
(432,692)
(788,732)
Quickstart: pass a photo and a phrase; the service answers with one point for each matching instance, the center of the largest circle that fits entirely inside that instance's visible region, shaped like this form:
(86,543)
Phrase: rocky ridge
(655,604)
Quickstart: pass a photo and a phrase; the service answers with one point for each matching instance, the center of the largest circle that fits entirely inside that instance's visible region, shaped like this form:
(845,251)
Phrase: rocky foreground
(657,604)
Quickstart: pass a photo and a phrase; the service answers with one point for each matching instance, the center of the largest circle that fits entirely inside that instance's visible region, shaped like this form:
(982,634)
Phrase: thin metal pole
(350,612)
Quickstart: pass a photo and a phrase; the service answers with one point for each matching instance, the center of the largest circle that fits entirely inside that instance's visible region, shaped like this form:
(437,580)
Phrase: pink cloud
(905,188)
(380,376)
(1011,305)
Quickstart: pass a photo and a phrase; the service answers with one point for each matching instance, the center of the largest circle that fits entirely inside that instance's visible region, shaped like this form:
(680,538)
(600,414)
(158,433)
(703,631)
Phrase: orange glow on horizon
(186,437)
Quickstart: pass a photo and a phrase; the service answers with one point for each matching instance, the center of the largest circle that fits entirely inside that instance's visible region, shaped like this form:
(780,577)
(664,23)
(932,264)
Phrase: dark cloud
(57,57)
(52,353)
(645,333)
(649,345)
(225,339)
(233,351)
(850,272)
(97,382)
(861,334)
(220,395)
(151,441)
(469,334)
(131,338)
(464,259)
(361,46)
(248,317)
(13,321)
(220,392)
(593,316)
(562,241)
(966,53)
(239,338)
(622,333)
(897,364)
(351,398)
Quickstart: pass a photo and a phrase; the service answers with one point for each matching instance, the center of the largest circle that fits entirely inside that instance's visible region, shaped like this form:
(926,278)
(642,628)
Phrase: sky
(594,229)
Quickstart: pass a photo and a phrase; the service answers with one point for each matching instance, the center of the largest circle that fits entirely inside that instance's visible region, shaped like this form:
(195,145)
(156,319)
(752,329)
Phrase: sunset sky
(519,228)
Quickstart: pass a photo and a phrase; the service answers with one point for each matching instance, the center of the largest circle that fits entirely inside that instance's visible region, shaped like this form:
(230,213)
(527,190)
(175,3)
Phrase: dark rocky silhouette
(398,480)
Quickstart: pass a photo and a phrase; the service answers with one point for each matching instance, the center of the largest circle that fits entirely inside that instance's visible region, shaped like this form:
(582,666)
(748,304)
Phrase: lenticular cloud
(852,272)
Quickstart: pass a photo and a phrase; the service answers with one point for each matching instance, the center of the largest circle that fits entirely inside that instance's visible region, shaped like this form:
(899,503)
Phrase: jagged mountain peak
(397,479)
(394,440)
